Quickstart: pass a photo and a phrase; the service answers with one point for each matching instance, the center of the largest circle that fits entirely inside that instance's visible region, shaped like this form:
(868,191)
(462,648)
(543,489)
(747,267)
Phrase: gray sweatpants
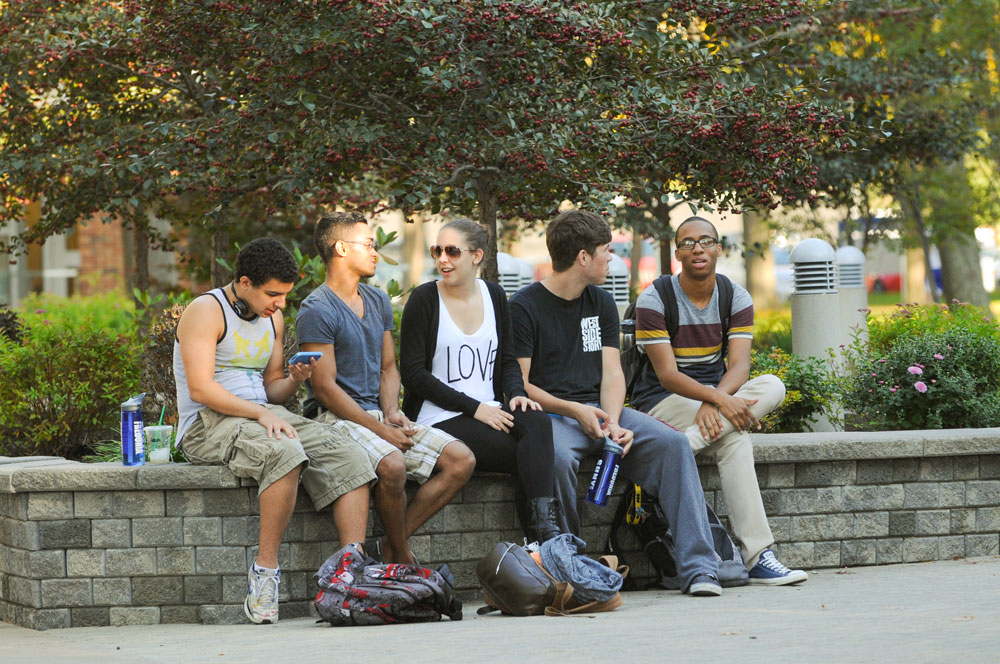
(661,461)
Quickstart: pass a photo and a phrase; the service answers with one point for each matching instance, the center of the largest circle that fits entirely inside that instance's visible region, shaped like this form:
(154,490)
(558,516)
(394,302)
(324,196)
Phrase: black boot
(543,518)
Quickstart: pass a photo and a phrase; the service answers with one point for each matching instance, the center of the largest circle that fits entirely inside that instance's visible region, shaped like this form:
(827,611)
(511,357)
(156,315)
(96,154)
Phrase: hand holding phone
(304,356)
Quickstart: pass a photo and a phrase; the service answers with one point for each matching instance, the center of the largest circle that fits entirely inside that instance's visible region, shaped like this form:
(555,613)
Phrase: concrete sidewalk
(925,612)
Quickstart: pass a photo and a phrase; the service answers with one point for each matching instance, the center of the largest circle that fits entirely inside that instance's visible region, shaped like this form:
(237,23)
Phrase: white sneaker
(261,605)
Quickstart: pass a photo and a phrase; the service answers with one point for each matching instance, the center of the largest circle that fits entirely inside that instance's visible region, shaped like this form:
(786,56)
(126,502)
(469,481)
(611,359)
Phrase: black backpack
(633,361)
(641,511)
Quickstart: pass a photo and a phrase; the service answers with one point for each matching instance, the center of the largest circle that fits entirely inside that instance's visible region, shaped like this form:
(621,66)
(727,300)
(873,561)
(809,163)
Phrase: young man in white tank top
(230,374)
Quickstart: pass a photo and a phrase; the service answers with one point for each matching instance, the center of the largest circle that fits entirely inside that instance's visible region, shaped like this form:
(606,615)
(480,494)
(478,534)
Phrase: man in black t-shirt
(566,341)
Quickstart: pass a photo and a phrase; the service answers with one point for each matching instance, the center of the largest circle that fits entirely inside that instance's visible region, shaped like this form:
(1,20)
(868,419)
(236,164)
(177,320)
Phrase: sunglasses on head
(451,250)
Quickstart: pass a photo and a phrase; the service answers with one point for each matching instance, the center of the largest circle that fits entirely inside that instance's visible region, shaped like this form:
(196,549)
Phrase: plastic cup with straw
(158,440)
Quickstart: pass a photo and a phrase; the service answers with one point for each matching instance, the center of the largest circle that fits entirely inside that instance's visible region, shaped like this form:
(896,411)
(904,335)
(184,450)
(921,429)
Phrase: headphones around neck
(240,306)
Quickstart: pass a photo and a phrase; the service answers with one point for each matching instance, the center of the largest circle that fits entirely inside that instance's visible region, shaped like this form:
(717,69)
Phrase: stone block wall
(100,544)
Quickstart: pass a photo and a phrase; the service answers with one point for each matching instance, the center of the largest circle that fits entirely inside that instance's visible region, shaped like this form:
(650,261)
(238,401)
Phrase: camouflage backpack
(357,590)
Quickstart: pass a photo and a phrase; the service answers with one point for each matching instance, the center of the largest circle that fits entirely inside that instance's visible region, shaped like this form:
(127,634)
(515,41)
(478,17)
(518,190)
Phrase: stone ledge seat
(104,544)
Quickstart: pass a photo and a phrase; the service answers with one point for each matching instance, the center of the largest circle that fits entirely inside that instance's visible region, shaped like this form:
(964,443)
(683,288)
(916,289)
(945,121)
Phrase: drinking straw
(162,411)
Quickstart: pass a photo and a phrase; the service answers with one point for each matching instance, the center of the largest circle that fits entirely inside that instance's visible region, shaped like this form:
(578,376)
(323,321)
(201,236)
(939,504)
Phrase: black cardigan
(418,340)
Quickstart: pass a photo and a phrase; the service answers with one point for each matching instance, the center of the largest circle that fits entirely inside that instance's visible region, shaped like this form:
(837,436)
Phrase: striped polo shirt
(698,344)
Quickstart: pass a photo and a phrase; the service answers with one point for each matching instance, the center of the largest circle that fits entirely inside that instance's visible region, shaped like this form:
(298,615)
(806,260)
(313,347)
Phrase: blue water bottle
(133,444)
(605,472)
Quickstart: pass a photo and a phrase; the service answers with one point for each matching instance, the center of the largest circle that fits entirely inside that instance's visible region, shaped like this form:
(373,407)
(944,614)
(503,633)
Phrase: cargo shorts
(428,444)
(335,464)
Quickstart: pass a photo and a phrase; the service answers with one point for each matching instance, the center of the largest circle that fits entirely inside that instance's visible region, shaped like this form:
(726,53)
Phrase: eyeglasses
(368,244)
(705,242)
(451,250)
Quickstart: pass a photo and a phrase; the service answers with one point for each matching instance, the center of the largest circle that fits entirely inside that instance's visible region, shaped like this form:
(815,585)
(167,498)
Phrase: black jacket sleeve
(417,340)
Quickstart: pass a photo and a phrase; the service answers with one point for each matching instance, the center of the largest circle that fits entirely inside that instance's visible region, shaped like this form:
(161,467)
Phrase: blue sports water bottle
(133,444)
(605,472)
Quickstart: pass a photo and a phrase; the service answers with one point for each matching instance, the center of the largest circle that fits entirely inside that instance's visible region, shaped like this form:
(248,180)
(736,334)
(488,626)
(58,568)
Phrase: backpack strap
(665,287)
(725,287)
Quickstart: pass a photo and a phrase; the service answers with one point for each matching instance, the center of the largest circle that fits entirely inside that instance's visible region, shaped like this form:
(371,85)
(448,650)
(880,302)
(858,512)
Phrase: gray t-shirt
(357,342)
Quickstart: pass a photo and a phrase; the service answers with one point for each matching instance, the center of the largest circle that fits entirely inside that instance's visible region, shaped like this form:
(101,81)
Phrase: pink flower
(920,386)
(915,370)
(938,356)
(881,382)
(892,389)
(883,360)
(874,375)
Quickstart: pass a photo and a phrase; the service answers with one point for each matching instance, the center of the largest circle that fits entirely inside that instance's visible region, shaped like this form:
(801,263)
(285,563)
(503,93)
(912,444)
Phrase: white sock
(265,570)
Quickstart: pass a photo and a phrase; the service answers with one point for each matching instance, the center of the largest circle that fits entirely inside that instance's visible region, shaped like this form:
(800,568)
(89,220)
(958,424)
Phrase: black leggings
(526,451)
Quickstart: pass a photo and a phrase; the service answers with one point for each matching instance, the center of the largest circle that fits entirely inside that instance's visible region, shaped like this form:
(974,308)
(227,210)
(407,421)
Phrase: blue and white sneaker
(261,605)
(770,572)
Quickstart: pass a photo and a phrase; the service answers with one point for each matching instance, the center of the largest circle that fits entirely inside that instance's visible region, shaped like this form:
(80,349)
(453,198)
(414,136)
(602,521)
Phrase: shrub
(925,367)
(808,389)
(63,384)
(11,327)
(773,331)
(111,311)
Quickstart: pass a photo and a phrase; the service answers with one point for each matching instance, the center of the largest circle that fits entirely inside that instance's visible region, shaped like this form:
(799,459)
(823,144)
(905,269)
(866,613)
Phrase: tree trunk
(911,205)
(486,193)
(915,277)
(414,250)
(140,237)
(961,274)
(762,282)
(220,247)
(633,275)
(666,235)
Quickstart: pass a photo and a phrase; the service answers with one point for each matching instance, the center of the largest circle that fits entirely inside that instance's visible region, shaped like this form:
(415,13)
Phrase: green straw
(162,411)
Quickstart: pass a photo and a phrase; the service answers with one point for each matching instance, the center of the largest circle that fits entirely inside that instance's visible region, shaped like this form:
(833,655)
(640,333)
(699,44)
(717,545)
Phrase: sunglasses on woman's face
(451,250)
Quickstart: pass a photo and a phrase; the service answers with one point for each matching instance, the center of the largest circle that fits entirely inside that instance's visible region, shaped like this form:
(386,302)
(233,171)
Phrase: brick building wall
(102,256)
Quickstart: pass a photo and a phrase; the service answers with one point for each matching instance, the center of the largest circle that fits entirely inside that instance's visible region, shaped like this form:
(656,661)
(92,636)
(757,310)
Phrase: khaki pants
(336,464)
(733,453)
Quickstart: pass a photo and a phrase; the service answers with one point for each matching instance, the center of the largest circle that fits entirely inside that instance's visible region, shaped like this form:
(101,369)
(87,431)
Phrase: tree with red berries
(510,108)
(189,111)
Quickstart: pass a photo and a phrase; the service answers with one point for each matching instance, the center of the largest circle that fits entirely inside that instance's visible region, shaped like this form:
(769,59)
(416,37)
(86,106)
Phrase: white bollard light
(510,273)
(853,294)
(617,282)
(815,304)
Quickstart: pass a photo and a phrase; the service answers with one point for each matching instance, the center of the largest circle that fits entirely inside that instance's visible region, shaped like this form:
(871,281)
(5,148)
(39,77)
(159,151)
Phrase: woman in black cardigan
(507,431)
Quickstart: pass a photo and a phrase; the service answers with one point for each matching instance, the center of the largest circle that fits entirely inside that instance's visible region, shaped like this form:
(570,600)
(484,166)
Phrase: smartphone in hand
(303,357)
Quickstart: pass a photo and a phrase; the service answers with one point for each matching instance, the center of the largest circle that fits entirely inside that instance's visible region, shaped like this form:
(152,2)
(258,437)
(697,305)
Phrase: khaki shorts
(428,444)
(335,464)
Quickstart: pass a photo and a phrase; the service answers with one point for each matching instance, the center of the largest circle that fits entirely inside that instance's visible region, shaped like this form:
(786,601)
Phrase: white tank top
(240,357)
(464,362)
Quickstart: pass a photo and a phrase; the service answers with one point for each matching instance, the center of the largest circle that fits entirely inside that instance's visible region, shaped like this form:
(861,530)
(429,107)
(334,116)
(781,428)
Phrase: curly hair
(264,259)
(572,231)
(333,227)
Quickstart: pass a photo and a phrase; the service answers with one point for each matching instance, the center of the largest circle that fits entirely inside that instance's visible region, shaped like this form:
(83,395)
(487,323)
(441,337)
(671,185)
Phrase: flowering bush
(807,389)
(925,367)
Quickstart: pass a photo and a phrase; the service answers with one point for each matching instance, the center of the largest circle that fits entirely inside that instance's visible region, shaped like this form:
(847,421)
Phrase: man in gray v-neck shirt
(355,387)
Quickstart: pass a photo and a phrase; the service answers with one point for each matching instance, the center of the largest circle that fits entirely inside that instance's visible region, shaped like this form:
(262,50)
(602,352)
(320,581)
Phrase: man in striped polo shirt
(693,388)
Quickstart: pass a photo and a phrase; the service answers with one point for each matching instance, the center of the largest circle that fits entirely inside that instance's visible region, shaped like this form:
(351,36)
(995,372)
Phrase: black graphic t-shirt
(564,339)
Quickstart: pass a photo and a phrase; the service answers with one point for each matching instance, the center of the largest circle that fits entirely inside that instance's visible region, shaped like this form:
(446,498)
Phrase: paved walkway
(926,612)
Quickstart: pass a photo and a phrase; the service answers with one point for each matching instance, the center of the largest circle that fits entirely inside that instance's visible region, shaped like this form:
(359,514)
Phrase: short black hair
(572,231)
(691,220)
(264,259)
(332,227)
